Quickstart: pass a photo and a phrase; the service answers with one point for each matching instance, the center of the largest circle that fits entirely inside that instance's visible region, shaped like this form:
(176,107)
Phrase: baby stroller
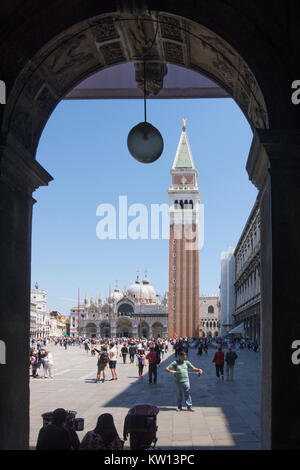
(140,424)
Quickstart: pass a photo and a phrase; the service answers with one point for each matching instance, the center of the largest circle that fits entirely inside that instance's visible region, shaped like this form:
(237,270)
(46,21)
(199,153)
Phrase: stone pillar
(113,331)
(274,167)
(19,176)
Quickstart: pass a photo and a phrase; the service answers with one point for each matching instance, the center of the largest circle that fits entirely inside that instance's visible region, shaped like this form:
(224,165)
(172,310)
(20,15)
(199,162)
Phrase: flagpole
(141,310)
(109,310)
(78,310)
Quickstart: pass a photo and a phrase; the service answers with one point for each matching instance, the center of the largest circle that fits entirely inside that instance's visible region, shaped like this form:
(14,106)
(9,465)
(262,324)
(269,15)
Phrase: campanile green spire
(183,157)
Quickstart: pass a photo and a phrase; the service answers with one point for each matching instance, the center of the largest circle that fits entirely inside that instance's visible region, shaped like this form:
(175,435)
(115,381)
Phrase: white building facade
(247,277)
(227,290)
(39,317)
(43,324)
(210,315)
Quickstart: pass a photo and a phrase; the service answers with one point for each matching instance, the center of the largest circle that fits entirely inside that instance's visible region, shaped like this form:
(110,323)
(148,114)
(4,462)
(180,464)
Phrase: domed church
(136,312)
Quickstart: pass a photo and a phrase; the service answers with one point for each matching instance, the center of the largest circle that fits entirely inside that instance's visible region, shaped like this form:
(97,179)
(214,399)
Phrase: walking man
(230,359)
(152,359)
(132,352)
(219,363)
(180,369)
(124,352)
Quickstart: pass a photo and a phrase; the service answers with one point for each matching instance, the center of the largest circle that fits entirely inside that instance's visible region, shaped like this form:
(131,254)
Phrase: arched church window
(211,309)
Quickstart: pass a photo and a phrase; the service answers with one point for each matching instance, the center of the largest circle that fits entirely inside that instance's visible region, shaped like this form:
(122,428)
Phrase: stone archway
(157,330)
(105,329)
(68,48)
(106,40)
(143,330)
(124,328)
(125,308)
(91,330)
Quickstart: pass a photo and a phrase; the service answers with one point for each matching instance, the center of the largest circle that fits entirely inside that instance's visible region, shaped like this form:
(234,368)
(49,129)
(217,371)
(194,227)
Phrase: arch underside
(103,41)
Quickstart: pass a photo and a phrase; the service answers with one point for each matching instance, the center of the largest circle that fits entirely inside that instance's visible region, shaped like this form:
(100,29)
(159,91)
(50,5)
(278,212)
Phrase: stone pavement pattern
(226,414)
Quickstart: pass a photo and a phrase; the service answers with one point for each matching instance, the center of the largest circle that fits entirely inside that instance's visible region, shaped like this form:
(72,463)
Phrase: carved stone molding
(170,28)
(174,53)
(155,72)
(138,35)
(271,151)
(18,169)
(113,53)
(104,29)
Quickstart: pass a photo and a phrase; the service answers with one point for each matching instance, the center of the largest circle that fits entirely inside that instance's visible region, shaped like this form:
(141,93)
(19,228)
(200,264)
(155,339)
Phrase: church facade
(137,312)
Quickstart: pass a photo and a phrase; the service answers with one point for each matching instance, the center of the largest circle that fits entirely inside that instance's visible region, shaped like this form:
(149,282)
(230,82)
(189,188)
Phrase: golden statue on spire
(184,124)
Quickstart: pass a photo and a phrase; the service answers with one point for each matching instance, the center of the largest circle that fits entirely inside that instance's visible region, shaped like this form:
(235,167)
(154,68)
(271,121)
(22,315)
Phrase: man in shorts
(113,354)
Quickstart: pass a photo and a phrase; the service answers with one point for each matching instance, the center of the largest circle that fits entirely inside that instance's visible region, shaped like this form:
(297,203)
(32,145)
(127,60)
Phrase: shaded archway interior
(101,42)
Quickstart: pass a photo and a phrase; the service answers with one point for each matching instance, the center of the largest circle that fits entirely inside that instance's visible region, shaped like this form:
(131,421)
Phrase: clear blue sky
(84,147)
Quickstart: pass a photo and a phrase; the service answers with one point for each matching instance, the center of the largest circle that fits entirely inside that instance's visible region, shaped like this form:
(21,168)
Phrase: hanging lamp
(144,141)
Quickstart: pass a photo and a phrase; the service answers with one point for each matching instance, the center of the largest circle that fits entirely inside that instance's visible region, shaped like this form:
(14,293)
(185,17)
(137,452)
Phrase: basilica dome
(117,295)
(143,291)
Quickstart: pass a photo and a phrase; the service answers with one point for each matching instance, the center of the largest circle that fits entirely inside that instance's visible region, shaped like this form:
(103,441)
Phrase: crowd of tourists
(140,351)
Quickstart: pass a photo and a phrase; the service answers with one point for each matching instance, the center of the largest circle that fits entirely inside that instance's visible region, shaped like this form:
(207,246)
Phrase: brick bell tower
(184,201)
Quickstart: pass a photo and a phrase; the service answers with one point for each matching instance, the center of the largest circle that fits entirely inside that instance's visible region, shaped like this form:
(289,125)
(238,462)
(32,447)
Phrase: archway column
(274,167)
(19,177)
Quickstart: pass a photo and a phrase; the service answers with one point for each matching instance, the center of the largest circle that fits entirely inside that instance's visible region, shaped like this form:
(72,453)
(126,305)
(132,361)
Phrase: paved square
(226,416)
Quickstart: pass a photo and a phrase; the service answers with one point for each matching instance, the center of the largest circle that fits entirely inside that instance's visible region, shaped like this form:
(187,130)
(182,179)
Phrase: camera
(77,424)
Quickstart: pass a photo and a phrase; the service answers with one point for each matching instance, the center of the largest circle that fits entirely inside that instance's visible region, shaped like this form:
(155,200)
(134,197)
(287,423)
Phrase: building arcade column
(274,167)
(20,175)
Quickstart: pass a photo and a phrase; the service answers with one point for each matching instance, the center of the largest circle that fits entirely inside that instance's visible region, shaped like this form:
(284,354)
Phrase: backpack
(103,359)
(231,358)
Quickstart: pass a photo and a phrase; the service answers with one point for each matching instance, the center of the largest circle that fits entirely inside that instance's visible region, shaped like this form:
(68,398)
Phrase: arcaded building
(247,277)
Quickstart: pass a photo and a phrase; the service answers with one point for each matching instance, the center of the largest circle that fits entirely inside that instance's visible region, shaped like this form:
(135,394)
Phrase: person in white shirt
(113,354)
(48,363)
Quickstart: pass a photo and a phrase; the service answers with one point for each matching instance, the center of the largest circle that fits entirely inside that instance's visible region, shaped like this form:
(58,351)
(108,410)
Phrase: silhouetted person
(103,437)
(55,436)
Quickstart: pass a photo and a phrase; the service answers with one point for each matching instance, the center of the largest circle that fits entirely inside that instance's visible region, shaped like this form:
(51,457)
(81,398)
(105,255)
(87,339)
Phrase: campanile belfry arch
(46,49)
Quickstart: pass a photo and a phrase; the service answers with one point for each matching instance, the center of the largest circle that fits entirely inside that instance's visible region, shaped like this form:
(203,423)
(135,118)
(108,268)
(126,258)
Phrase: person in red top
(152,359)
(219,362)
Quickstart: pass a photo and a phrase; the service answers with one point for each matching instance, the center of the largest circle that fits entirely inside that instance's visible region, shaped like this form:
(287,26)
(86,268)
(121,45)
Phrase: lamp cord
(145,106)
(149,49)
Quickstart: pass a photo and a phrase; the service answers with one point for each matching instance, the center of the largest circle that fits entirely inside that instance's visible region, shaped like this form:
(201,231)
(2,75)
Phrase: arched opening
(125,309)
(73,53)
(91,330)
(105,329)
(124,328)
(157,330)
(143,330)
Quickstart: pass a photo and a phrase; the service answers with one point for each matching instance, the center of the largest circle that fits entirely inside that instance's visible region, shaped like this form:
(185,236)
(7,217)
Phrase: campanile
(184,201)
